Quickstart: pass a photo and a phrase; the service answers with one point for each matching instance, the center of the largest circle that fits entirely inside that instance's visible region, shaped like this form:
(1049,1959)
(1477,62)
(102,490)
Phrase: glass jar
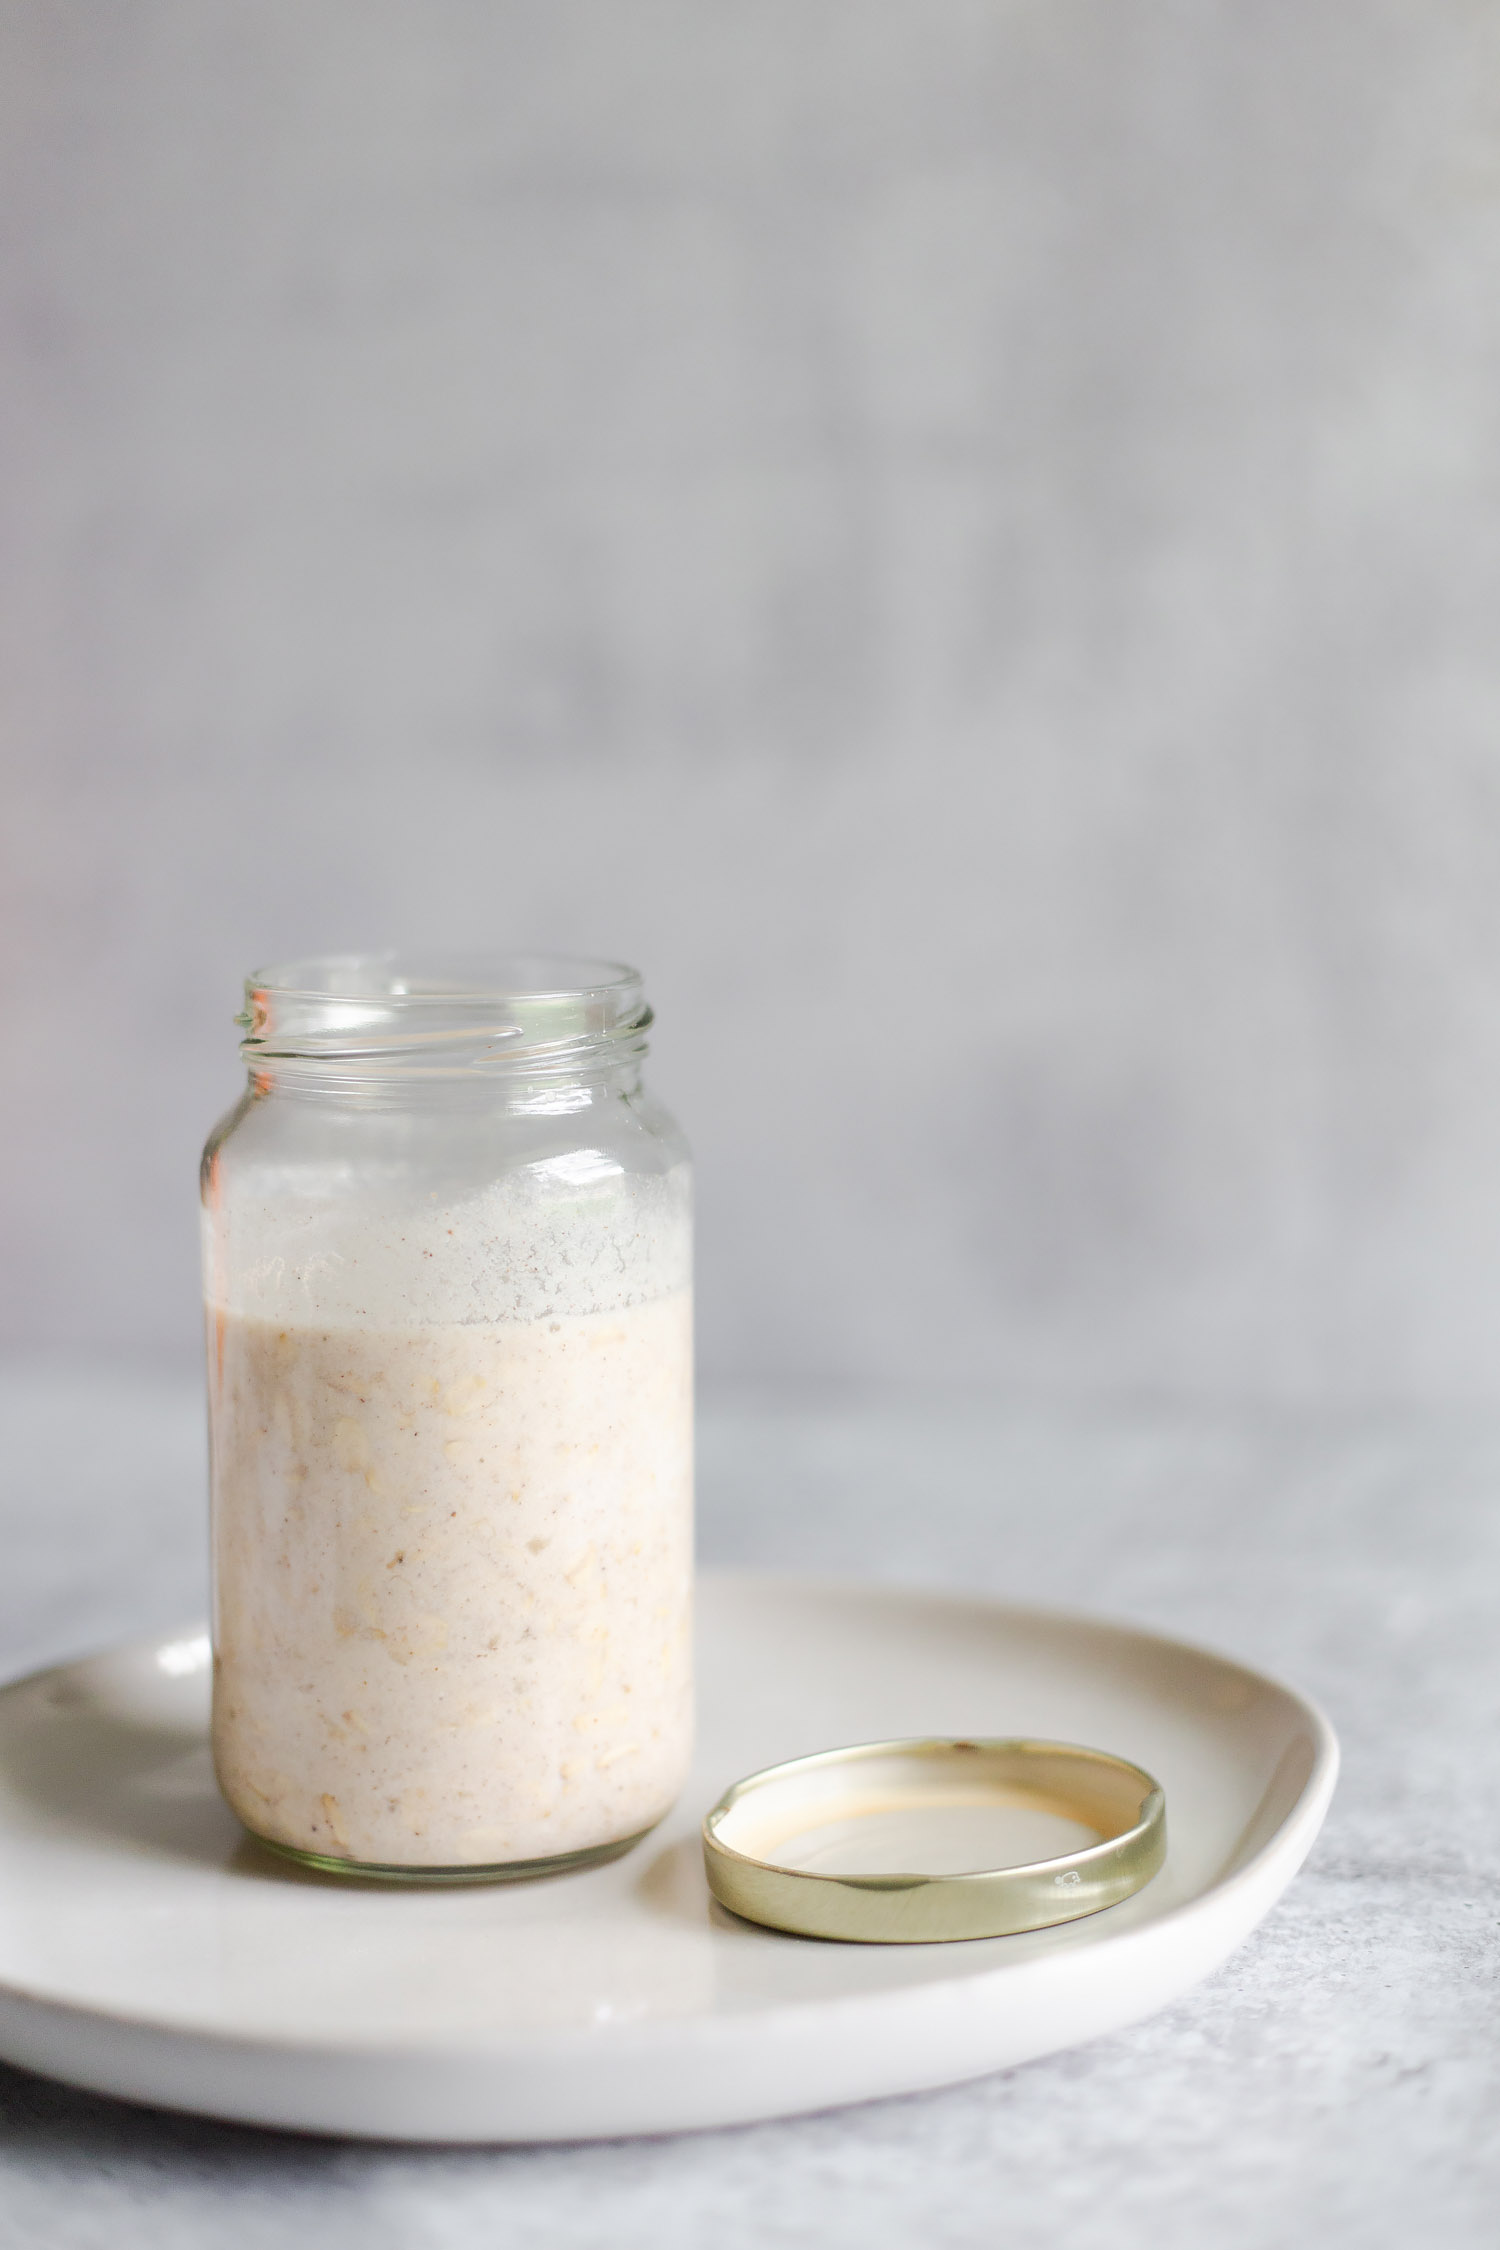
(447,1267)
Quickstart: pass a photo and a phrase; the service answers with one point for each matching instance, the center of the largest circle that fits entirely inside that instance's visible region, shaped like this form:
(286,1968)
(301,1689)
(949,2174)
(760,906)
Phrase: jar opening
(441,1013)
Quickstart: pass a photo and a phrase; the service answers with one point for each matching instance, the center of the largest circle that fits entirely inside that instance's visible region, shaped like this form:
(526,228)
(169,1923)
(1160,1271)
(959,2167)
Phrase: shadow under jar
(447,1265)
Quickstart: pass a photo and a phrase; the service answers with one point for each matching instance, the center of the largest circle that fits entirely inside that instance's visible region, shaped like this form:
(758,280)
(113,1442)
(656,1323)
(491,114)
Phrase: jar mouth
(443,1012)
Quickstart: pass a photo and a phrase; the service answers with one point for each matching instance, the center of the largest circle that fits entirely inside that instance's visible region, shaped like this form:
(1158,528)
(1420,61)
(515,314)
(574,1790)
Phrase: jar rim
(423,977)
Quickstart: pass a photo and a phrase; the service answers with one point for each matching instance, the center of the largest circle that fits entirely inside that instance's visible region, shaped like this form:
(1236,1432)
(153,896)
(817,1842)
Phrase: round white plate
(148,1949)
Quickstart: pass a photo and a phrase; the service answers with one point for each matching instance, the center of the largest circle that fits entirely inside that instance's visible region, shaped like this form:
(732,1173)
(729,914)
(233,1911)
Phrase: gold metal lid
(824,1846)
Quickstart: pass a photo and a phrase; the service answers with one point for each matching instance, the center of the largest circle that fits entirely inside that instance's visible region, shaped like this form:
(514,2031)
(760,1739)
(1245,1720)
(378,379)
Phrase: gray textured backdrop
(964,537)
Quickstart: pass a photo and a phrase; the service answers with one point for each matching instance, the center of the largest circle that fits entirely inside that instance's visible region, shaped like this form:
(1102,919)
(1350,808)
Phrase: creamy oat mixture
(453,1568)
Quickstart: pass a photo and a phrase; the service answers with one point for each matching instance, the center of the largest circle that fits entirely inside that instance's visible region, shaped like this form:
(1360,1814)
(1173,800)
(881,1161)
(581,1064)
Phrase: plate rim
(1288,1844)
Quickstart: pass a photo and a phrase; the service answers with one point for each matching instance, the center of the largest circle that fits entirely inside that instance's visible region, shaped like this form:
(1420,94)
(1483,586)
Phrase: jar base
(507,1871)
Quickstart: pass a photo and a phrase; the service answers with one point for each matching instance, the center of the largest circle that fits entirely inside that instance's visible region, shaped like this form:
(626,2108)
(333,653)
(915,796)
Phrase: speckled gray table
(1336,2084)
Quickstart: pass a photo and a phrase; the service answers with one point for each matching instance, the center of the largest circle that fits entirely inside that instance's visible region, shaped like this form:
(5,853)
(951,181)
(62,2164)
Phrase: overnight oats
(447,1262)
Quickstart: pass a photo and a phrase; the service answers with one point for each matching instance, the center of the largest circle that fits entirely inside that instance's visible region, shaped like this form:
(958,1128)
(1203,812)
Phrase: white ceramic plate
(148,1949)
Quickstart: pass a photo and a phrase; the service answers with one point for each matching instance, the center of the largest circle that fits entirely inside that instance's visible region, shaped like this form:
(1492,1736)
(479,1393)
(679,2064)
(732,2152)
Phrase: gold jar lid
(822,1846)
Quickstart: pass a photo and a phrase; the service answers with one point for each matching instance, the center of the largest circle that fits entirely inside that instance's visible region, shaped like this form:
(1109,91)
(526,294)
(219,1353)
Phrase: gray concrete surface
(961,533)
(1335,2084)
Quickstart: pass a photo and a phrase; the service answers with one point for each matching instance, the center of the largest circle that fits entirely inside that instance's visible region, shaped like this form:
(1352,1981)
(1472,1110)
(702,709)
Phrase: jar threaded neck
(377,1015)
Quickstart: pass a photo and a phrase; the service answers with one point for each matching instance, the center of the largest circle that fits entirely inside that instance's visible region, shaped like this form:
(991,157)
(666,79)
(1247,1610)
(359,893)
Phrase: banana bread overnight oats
(450,1373)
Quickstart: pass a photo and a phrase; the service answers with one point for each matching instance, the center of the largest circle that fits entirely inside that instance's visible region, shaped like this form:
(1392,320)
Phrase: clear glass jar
(447,1267)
